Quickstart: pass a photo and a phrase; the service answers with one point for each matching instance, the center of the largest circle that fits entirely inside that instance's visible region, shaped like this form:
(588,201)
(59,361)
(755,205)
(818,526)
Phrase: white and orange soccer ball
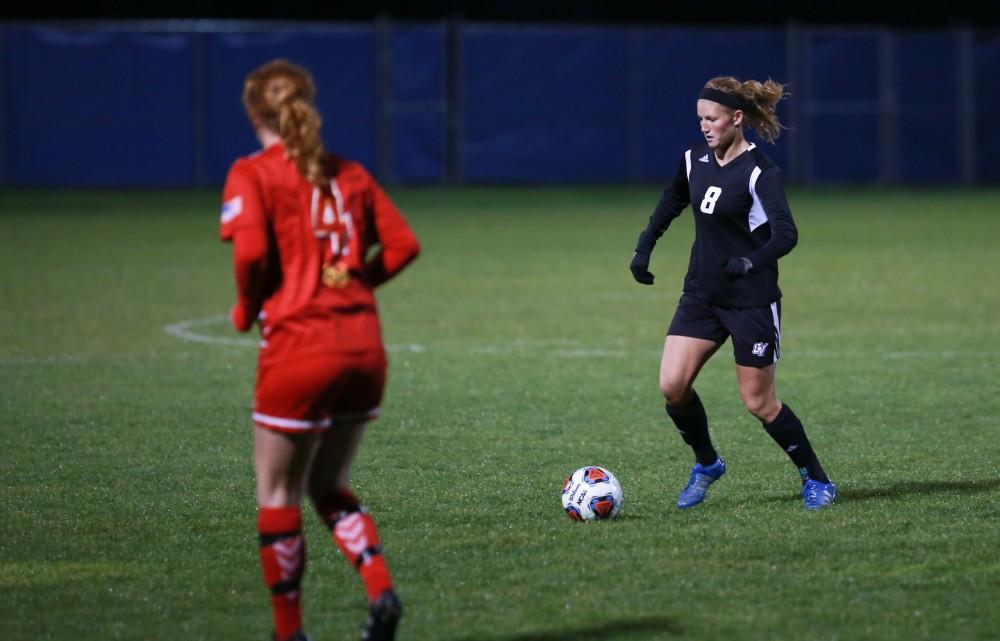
(592,493)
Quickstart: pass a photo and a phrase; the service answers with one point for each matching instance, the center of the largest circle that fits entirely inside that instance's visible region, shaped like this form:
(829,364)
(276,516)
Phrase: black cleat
(383,616)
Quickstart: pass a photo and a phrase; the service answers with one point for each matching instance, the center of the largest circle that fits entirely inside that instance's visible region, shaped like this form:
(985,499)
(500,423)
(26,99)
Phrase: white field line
(184,331)
(563,348)
(553,347)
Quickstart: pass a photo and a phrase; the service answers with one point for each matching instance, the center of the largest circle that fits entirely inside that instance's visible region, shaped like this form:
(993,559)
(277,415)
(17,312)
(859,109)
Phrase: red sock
(283,558)
(356,537)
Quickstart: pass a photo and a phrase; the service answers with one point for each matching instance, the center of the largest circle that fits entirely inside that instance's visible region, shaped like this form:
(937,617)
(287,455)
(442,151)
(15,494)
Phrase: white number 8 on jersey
(711,196)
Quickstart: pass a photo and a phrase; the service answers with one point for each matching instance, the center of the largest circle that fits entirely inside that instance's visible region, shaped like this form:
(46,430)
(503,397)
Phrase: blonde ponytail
(763,98)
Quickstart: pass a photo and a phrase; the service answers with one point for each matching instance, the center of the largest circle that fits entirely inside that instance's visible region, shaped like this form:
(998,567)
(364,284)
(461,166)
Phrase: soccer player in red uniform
(304,225)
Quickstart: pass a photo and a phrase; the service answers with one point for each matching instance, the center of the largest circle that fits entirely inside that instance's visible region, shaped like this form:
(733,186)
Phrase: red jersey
(301,252)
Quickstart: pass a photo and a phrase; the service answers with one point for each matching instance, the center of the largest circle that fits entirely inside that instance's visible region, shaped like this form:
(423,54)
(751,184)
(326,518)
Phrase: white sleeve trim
(757,214)
(687,161)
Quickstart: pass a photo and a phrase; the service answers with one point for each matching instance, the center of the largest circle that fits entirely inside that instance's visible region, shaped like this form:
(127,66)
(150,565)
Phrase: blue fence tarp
(418,118)
(543,104)
(98,108)
(470,103)
(928,111)
(987,70)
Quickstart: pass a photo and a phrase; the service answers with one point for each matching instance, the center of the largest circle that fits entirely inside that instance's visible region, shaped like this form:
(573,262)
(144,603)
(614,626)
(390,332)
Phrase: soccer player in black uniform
(742,227)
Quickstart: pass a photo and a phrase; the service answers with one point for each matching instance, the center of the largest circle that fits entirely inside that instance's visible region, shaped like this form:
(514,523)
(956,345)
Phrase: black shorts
(756,331)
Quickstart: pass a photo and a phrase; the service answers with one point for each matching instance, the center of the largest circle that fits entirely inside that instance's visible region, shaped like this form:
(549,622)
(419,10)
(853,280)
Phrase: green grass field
(521,350)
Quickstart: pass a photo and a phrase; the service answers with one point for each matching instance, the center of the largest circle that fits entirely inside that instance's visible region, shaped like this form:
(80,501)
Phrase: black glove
(640,268)
(738,266)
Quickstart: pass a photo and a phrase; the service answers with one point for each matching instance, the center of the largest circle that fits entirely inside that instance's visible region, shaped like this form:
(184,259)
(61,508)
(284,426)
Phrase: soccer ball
(591,493)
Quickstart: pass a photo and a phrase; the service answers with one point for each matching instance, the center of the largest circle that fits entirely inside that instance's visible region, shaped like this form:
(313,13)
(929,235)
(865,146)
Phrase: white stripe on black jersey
(739,209)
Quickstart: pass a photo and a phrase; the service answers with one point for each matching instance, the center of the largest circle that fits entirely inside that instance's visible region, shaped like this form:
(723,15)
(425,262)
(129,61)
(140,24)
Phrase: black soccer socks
(692,424)
(787,431)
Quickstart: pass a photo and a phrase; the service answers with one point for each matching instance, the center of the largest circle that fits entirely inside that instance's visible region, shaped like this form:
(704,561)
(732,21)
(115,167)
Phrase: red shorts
(313,391)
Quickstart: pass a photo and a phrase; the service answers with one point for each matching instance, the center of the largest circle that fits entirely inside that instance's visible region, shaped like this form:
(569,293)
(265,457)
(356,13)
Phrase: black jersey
(740,210)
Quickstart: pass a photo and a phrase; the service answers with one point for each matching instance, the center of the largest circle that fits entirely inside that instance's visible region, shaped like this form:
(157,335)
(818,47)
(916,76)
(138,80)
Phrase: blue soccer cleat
(817,495)
(701,477)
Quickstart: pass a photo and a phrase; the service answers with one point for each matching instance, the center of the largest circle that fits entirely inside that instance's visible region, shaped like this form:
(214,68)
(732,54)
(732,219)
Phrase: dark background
(915,13)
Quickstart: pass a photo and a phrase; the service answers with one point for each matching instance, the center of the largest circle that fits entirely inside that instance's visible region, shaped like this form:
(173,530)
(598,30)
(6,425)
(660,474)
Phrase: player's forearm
(667,209)
(392,258)
(250,268)
(784,237)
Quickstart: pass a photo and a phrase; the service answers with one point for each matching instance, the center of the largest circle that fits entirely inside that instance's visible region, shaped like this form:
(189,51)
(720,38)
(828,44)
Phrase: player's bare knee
(762,407)
(677,393)
(276,493)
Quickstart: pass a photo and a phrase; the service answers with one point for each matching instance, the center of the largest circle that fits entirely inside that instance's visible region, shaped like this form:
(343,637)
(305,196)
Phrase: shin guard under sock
(787,431)
(692,425)
(283,559)
(356,537)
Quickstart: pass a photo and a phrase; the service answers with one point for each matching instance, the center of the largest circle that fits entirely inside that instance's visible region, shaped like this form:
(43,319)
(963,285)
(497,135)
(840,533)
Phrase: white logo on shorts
(759,349)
